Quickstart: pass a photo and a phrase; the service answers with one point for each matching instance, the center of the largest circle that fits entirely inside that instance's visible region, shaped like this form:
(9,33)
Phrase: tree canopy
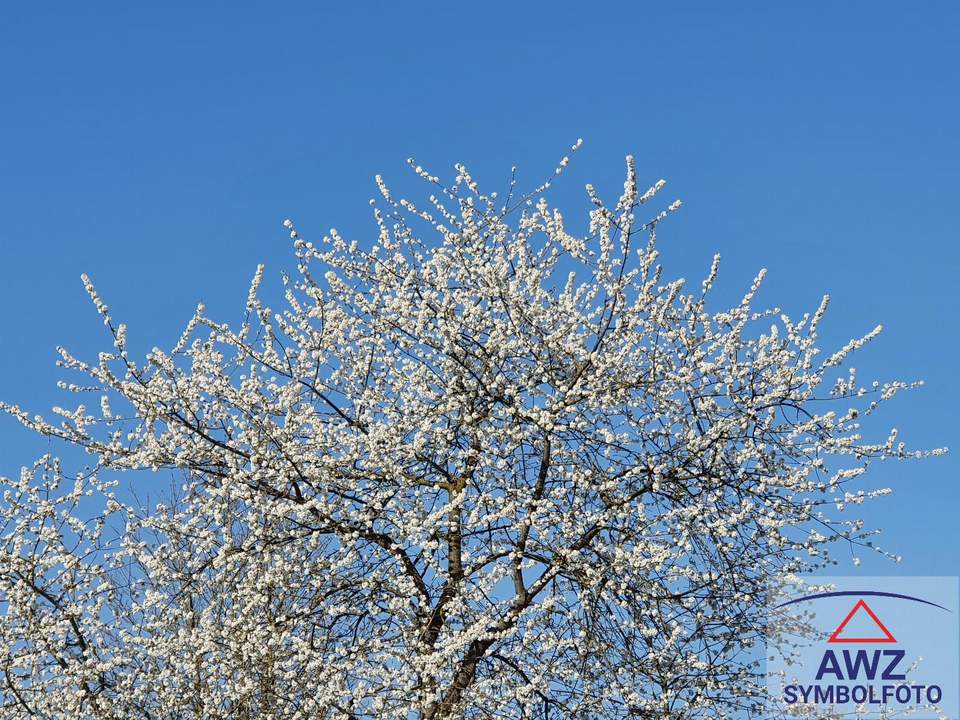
(481,467)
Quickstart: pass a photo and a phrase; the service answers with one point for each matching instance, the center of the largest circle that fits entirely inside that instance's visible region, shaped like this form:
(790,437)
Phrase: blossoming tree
(480,468)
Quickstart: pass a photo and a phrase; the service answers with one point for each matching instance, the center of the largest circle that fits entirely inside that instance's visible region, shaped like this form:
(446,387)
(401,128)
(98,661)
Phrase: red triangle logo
(887,637)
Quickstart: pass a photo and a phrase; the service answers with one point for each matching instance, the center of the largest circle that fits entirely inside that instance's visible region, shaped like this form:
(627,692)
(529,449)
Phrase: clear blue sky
(158,147)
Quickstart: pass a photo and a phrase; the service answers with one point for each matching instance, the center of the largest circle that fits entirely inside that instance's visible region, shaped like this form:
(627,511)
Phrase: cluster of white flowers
(482,468)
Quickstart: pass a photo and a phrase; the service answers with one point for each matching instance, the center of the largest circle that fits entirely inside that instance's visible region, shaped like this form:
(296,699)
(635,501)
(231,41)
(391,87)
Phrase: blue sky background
(158,147)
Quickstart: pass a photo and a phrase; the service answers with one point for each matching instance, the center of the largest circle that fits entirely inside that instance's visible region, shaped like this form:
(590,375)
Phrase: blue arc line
(874,593)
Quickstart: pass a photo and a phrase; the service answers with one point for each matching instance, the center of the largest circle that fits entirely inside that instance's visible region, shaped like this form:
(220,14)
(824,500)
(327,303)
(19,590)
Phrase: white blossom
(482,467)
